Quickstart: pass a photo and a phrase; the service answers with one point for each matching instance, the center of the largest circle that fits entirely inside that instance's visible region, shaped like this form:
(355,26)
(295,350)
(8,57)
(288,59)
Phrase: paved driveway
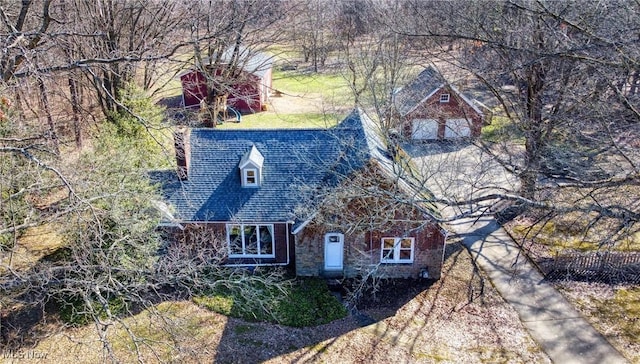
(552,321)
(459,171)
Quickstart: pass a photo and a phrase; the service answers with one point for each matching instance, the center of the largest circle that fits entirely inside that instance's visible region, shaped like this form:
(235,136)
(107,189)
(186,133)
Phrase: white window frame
(245,177)
(395,257)
(243,240)
(444,98)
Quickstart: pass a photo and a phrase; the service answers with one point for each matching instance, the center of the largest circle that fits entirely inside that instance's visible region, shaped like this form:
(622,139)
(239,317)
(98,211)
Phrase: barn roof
(249,60)
(296,163)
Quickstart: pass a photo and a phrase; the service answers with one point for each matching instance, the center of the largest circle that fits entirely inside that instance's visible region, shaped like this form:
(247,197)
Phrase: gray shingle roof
(425,84)
(296,162)
(251,61)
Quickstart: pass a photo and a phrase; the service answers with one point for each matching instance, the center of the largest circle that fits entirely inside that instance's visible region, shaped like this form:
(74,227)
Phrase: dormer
(251,168)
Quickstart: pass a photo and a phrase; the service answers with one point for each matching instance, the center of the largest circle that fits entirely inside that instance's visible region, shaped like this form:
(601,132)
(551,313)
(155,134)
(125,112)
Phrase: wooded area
(81,128)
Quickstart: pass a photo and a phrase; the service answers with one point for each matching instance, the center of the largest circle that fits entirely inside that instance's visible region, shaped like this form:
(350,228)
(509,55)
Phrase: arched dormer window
(251,168)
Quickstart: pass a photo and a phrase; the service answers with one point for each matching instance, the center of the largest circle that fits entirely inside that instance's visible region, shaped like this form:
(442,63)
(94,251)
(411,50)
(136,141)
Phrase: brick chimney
(183,151)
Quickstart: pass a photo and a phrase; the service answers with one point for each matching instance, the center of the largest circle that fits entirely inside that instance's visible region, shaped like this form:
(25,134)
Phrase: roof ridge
(257,129)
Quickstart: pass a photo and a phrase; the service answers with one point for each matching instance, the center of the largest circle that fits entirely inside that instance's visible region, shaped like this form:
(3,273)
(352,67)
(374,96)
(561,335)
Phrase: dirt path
(296,104)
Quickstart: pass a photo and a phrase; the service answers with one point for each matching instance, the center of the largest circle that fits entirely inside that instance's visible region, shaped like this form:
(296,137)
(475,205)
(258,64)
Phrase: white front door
(333,251)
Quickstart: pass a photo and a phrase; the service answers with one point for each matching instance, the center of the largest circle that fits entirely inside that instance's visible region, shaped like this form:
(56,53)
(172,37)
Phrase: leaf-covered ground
(610,304)
(460,318)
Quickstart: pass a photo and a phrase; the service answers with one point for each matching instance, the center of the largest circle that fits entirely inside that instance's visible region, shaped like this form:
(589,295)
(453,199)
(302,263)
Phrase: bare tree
(377,62)
(113,260)
(312,30)
(119,36)
(228,39)
(562,85)
(98,200)
(562,80)
(24,32)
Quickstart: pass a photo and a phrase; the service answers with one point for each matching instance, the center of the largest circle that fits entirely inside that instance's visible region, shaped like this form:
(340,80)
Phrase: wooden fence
(606,267)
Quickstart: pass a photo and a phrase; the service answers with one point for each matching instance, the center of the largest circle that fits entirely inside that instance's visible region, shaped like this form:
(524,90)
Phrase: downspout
(444,243)
(289,223)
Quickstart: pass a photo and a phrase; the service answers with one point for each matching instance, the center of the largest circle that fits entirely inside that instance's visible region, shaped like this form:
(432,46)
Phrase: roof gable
(427,83)
(249,60)
(423,87)
(252,157)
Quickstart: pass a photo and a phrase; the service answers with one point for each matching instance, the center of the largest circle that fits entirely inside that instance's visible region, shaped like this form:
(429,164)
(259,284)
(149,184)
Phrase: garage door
(424,129)
(457,128)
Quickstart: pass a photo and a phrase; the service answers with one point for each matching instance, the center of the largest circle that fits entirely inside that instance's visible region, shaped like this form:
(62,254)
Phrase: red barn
(194,88)
(432,109)
(248,91)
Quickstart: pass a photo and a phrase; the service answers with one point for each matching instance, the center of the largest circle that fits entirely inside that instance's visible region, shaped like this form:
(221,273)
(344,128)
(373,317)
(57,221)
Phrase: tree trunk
(75,106)
(533,131)
(635,82)
(47,110)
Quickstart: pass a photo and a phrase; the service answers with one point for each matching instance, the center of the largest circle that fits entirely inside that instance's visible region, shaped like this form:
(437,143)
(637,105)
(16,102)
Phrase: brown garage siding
(456,108)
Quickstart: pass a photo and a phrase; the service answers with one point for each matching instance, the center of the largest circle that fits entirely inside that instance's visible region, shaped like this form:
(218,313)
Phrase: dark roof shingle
(295,163)
(425,84)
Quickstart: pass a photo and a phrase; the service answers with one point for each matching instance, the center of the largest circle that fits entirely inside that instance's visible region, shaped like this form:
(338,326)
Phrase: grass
(439,325)
(502,129)
(34,244)
(162,334)
(618,315)
(332,86)
(567,234)
(302,89)
(437,356)
(626,306)
(307,303)
(305,97)
(283,52)
(283,121)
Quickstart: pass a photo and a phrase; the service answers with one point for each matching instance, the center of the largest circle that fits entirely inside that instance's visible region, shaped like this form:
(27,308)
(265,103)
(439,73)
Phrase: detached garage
(429,108)
(432,129)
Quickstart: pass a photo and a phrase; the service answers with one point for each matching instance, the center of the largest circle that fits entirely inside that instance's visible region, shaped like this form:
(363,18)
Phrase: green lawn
(265,120)
(502,129)
(307,88)
(298,82)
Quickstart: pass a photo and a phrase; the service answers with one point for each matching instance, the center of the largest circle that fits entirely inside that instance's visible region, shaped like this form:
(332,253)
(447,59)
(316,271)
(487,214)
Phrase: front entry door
(333,251)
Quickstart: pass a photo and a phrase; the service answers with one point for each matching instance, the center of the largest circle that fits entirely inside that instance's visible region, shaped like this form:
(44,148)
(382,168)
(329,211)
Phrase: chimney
(183,151)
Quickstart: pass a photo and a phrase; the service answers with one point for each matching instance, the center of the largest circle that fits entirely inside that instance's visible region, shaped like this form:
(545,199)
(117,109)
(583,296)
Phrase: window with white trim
(444,98)
(250,241)
(397,250)
(250,176)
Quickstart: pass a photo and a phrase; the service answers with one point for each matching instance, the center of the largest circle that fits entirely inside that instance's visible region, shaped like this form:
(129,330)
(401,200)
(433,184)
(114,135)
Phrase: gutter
(304,223)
